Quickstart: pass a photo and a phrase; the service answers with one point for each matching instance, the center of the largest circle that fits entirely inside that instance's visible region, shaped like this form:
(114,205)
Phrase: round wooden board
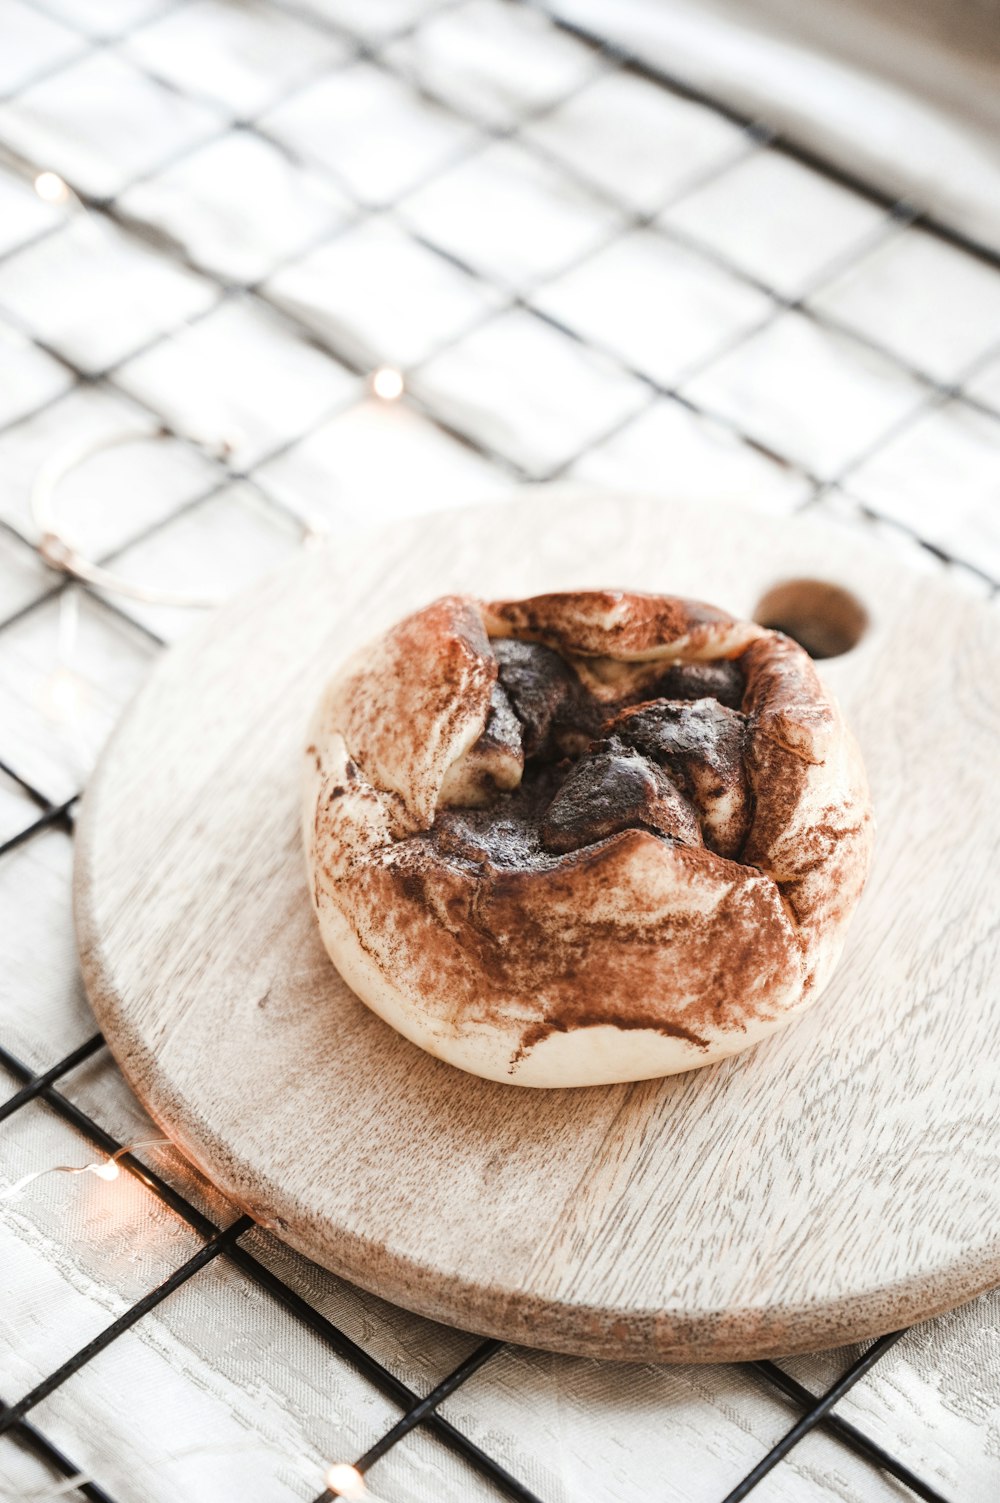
(838,1181)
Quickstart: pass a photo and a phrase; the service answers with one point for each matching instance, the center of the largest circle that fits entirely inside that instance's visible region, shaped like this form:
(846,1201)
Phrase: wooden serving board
(839,1180)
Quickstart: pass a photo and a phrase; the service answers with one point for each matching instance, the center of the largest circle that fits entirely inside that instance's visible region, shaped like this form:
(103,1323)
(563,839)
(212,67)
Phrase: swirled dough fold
(585,837)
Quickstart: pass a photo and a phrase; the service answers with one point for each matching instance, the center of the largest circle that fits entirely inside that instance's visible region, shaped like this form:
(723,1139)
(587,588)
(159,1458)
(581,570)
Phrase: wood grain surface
(839,1180)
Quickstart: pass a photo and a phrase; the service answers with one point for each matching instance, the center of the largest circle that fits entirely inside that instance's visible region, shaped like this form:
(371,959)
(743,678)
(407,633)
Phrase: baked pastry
(585,837)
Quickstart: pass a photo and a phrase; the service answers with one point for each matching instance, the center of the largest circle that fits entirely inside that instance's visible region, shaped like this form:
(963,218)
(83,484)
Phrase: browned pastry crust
(583,837)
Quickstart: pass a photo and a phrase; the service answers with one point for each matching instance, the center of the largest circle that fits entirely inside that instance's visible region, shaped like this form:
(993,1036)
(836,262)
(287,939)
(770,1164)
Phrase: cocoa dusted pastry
(586,837)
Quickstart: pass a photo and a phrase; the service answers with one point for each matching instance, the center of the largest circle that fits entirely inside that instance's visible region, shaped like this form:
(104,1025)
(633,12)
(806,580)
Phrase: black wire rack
(813,1411)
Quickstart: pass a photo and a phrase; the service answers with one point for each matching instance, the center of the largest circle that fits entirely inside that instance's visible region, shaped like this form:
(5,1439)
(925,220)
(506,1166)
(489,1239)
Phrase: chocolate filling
(666,756)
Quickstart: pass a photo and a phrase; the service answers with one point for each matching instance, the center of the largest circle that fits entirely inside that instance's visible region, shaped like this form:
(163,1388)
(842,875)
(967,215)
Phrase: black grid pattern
(16,1419)
(815,1409)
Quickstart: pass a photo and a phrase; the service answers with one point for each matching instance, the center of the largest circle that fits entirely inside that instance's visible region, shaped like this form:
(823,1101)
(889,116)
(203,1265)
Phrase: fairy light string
(106,1169)
(54,545)
(59,552)
(341,1479)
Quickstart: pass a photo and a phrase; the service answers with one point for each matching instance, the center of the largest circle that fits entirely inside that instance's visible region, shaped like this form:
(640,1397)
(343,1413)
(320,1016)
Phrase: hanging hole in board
(824,618)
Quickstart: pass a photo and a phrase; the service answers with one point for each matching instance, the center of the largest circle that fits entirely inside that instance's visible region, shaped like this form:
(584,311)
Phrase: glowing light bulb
(109,1169)
(387,383)
(345,1481)
(50,188)
(64,695)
